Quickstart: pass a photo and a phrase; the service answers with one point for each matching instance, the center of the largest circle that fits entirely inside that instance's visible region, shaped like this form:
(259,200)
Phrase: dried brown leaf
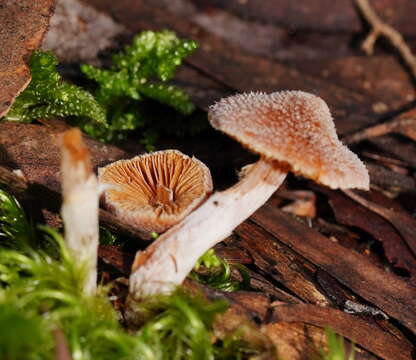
(303,203)
(400,219)
(349,213)
(23,24)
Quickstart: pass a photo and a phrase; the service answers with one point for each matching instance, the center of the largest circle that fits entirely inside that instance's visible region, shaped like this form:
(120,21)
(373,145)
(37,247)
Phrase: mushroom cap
(157,190)
(293,127)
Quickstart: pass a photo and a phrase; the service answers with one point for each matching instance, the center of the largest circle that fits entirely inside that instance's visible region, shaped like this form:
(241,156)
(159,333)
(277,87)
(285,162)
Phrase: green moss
(16,231)
(336,348)
(47,95)
(179,325)
(41,290)
(23,333)
(141,71)
(216,272)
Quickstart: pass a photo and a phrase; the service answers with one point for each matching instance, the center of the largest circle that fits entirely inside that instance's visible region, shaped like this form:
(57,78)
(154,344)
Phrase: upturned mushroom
(155,191)
(292,131)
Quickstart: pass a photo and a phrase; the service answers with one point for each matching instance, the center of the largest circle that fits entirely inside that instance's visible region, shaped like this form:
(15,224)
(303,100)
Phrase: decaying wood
(386,291)
(317,16)
(387,161)
(380,28)
(23,24)
(79,209)
(117,225)
(280,263)
(381,78)
(261,284)
(294,328)
(247,302)
(401,220)
(113,256)
(232,322)
(354,328)
(351,109)
(296,341)
(338,294)
(233,254)
(399,148)
(34,150)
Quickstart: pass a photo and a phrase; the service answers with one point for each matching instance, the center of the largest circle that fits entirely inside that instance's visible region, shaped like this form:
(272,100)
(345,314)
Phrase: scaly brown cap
(293,127)
(155,191)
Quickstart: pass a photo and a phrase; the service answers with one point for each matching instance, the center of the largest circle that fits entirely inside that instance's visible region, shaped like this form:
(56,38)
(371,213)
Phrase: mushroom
(292,131)
(80,205)
(155,191)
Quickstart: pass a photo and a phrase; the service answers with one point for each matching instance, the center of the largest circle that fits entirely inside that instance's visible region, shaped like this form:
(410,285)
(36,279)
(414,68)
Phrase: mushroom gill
(155,191)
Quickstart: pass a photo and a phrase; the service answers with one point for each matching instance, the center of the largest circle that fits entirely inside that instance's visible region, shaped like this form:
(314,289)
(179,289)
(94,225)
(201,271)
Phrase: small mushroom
(292,131)
(157,190)
(80,205)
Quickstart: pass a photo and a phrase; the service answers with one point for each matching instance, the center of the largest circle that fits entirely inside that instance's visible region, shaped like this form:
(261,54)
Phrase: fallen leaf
(396,251)
(23,24)
(400,219)
(303,203)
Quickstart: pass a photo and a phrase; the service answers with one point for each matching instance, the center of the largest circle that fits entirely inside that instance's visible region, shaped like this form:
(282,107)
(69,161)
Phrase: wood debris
(23,25)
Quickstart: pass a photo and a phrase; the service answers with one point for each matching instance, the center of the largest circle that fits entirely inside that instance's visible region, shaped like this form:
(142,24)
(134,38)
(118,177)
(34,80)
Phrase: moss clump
(47,95)
(143,70)
(41,291)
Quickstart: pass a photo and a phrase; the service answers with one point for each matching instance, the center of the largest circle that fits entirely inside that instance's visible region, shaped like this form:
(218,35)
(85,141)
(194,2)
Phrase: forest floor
(316,257)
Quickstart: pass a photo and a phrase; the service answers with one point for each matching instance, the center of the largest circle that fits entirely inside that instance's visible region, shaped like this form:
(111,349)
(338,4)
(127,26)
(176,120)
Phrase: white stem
(172,256)
(80,205)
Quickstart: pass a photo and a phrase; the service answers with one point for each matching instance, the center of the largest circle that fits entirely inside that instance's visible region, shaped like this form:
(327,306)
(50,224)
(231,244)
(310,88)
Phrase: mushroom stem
(168,261)
(80,205)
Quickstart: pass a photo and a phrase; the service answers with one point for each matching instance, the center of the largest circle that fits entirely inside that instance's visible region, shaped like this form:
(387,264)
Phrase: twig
(388,179)
(80,205)
(380,28)
(404,124)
